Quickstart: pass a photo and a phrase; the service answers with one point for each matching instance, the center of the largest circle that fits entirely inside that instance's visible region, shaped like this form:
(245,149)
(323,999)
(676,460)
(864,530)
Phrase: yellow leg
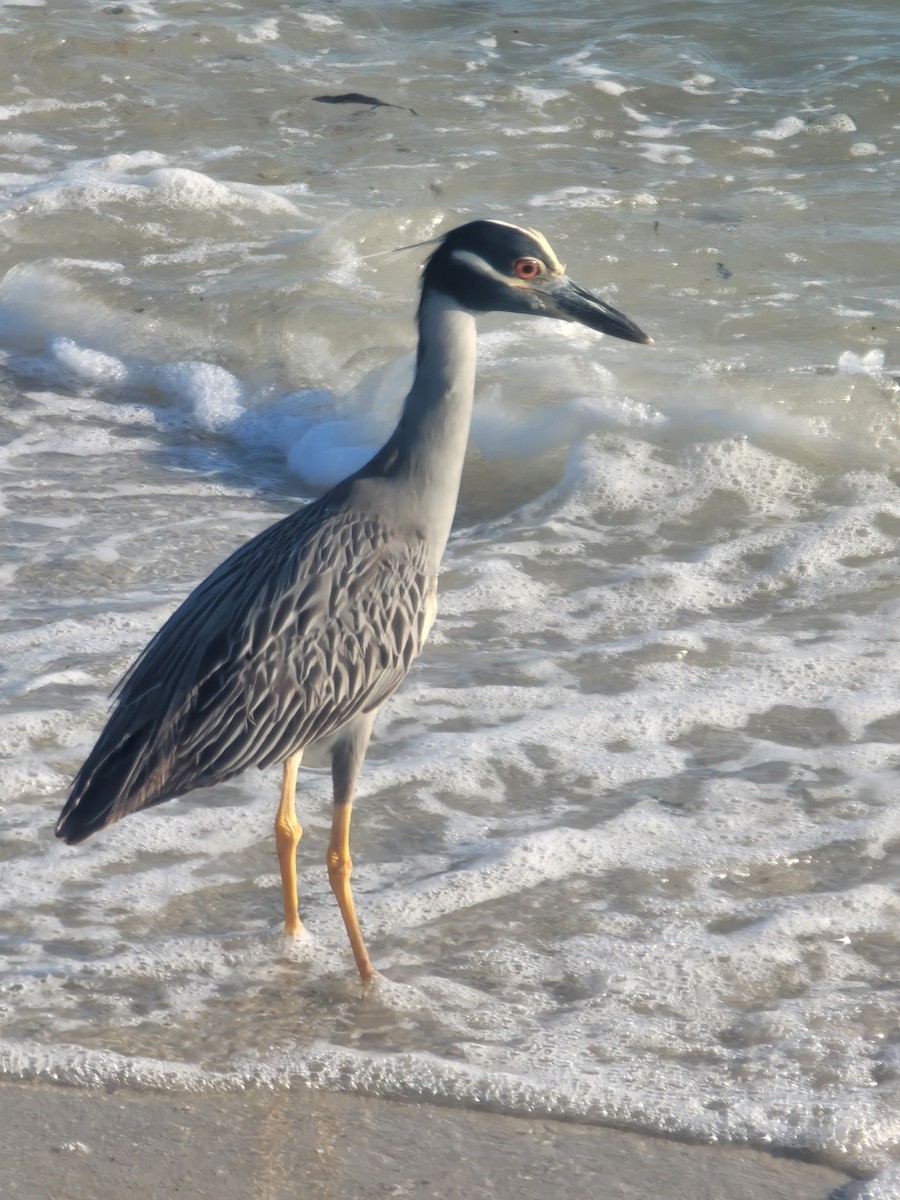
(287,835)
(339,867)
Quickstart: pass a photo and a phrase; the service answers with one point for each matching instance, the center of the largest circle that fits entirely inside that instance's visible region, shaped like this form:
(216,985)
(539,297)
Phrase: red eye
(527,268)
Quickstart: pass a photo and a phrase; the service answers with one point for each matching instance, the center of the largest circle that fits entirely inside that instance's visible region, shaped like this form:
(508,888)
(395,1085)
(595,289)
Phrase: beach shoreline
(65,1141)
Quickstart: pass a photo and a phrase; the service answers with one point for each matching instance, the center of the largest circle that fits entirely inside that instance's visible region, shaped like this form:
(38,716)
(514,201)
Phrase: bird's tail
(117,778)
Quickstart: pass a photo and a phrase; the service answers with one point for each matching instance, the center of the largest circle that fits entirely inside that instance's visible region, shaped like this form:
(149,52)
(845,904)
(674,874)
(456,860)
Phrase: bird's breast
(430,611)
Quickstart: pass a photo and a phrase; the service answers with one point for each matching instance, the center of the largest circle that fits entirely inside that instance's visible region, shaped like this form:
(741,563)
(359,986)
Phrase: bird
(297,640)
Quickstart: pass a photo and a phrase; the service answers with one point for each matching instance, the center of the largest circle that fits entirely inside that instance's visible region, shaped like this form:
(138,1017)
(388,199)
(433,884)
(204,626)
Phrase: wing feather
(311,623)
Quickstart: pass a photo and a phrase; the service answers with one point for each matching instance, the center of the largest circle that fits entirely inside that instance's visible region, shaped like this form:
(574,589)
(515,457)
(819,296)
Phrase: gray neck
(431,437)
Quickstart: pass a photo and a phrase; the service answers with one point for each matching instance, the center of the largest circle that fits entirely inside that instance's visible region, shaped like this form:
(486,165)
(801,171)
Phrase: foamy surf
(626,843)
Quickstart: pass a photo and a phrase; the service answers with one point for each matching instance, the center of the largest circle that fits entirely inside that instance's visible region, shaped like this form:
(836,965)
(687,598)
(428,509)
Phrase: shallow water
(626,846)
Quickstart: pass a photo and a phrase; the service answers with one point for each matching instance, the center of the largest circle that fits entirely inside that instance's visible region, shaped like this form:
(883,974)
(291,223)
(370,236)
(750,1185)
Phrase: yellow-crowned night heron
(302,634)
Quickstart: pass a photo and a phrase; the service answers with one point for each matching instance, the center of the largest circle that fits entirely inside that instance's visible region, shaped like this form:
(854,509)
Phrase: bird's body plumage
(312,623)
(298,638)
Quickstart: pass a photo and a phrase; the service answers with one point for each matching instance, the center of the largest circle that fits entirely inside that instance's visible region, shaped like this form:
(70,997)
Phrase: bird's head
(492,266)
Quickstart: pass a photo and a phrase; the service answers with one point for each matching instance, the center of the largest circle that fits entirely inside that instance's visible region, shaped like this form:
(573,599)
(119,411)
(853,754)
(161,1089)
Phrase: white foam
(263,31)
(699,84)
(611,87)
(144,178)
(90,366)
(213,395)
(179,185)
(320,21)
(636,115)
(46,104)
(870,363)
(578,196)
(666,155)
(538,97)
(786,127)
(835,123)
(580,64)
(885,1187)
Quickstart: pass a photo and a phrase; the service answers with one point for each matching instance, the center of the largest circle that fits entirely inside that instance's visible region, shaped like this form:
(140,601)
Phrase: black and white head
(492,266)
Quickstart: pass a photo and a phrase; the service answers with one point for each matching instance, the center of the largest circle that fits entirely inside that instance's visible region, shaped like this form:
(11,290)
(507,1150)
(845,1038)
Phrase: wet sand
(68,1142)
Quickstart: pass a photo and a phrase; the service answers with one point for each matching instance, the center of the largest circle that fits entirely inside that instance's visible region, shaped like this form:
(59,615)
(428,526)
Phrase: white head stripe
(555,266)
(544,247)
(549,257)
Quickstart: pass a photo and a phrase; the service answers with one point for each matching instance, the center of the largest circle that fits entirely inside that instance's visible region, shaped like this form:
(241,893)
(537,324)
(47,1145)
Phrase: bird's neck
(431,436)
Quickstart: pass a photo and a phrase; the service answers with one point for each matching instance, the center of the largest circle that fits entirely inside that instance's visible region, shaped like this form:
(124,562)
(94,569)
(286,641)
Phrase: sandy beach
(66,1142)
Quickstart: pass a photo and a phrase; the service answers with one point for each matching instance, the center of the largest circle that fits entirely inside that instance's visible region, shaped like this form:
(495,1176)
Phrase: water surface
(626,846)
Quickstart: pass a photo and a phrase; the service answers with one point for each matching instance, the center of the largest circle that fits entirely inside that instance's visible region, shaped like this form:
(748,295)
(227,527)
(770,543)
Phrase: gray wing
(311,623)
(319,645)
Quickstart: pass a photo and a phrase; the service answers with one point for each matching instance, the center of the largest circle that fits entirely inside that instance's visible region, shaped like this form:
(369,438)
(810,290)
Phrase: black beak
(566,300)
